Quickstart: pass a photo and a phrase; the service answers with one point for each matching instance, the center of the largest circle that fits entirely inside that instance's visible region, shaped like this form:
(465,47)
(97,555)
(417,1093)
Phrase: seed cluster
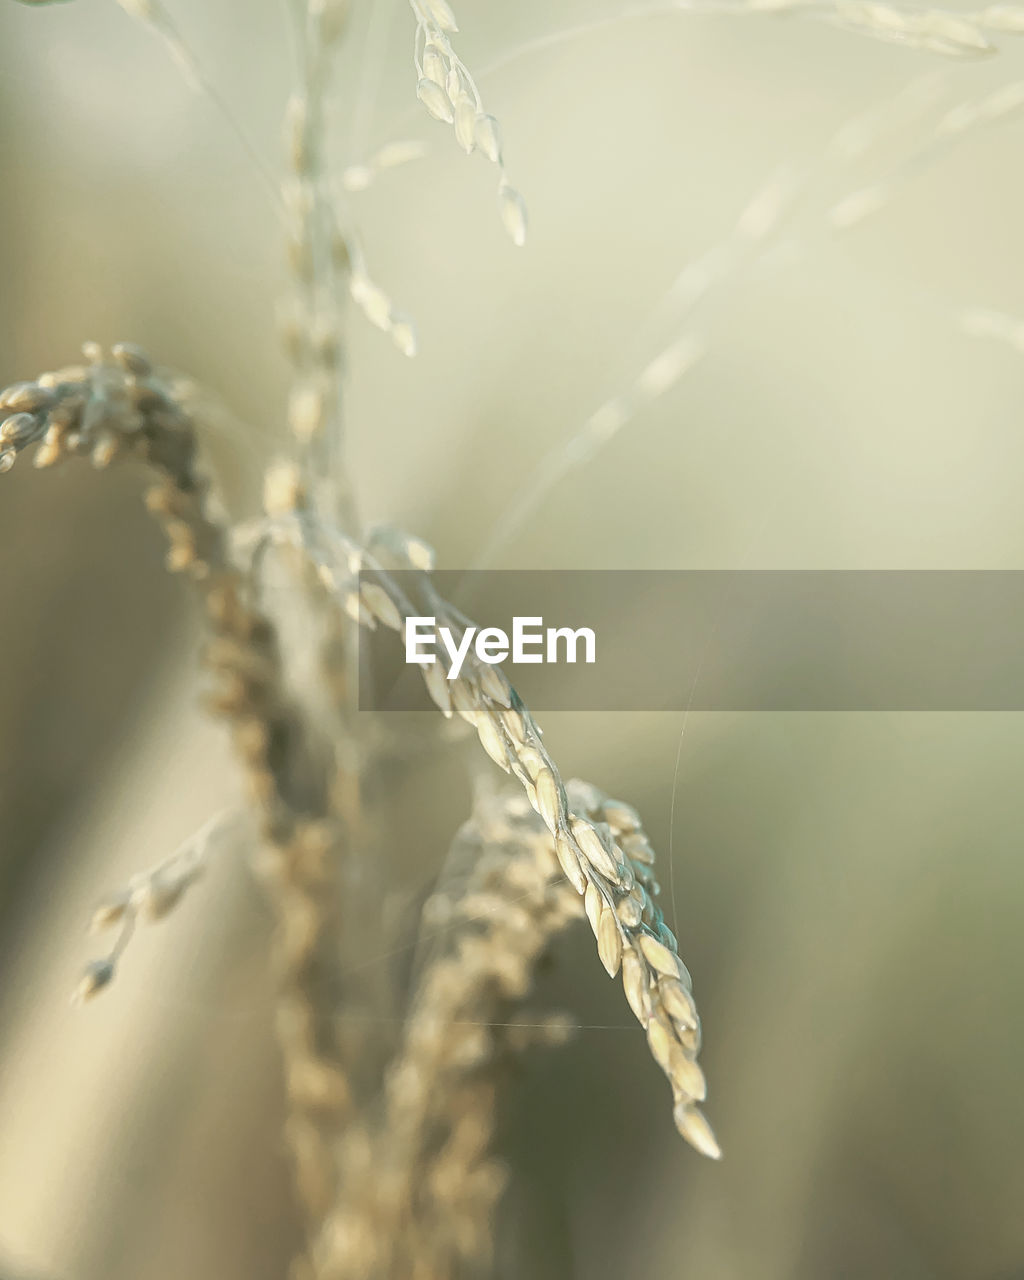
(419,1184)
(447,90)
(122,407)
(600,846)
(100,409)
(606,857)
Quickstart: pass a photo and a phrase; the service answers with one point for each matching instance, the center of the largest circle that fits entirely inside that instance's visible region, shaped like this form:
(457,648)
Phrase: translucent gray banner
(724,641)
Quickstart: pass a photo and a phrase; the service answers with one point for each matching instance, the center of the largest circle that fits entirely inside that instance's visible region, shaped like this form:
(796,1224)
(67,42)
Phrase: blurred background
(847,888)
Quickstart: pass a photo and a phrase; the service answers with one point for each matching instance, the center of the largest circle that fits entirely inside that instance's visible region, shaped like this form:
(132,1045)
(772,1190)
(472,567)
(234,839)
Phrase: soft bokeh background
(847,889)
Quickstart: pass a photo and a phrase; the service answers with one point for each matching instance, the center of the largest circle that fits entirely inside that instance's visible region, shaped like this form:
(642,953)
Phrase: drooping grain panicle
(610,862)
(599,844)
(121,406)
(631,933)
(420,1183)
(447,90)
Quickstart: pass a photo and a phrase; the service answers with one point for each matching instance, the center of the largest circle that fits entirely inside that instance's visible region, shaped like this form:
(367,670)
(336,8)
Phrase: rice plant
(391,1136)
